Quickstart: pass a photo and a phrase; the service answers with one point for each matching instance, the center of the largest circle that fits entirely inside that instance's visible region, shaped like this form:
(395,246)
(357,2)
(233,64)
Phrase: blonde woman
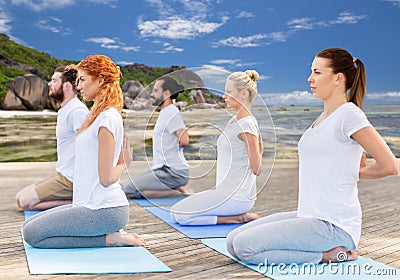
(238,163)
(99,206)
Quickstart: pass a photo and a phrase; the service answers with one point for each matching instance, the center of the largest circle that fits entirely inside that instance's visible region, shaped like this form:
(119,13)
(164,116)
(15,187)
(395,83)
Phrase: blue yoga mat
(362,268)
(165,201)
(28,214)
(210,231)
(91,260)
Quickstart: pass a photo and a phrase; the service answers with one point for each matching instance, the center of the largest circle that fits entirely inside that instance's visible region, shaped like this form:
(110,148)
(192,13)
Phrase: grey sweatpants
(163,178)
(73,227)
(285,238)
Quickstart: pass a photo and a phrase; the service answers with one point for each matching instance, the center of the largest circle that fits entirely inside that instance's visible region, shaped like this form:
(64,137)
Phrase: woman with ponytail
(238,163)
(99,207)
(327,224)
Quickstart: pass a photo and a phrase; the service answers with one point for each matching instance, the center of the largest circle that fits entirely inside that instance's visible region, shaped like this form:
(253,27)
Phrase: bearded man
(57,190)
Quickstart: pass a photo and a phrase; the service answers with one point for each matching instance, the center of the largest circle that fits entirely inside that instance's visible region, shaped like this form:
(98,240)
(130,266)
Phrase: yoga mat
(362,268)
(92,260)
(164,201)
(209,231)
(28,214)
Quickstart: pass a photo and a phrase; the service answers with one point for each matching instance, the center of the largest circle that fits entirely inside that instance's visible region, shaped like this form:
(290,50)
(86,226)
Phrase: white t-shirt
(329,163)
(166,149)
(69,120)
(234,175)
(88,191)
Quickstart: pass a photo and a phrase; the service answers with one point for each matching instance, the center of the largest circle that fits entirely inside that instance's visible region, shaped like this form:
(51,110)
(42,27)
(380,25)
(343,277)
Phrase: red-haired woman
(99,207)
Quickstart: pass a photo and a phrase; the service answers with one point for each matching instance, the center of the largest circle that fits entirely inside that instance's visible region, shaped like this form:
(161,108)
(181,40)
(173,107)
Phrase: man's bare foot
(338,254)
(185,190)
(117,239)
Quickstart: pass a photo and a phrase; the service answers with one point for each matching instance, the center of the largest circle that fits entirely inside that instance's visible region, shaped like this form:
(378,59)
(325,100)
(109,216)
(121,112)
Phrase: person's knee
(25,203)
(239,246)
(181,219)
(28,233)
(229,244)
(27,198)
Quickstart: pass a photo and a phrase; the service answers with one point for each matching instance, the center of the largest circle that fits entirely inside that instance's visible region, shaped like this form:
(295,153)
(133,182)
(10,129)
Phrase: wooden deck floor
(189,258)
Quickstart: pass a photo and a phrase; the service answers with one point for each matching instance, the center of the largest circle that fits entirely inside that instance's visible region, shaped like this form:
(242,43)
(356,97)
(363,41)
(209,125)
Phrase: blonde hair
(246,80)
(110,95)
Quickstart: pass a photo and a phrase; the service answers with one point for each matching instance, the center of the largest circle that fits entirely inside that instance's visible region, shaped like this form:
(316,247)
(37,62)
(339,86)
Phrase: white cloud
(124,62)
(304,98)
(40,5)
(214,77)
(301,24)
(162,8)
(169,48)
(298,98)
(111,3)
(53,25)
(245,14)
(294,25)
(187,19)
(252,41)
(394,2)
(383,98)
(309,24)
(176,28)
(242,42)
(233,63)
(109,43)
(225,61)
(5,22)
(347,18)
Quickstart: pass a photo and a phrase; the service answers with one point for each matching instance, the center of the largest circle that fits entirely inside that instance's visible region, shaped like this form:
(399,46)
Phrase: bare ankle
(338,254)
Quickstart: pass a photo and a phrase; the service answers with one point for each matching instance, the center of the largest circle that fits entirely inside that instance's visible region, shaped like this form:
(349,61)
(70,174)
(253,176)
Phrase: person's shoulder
(76,104)
(352,108)
(110,113)
(249,120)
(172,109)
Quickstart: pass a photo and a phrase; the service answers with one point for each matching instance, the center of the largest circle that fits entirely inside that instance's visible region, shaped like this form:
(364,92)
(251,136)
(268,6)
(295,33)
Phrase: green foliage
(10,50)
(184,96)
(30,57)
(145,75)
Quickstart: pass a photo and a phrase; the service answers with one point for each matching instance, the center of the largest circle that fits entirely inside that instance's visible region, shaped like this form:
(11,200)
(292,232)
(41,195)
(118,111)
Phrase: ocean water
(32,138)
(292,122)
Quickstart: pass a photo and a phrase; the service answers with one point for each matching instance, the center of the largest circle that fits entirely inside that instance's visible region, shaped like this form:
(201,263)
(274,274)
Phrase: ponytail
(357,91)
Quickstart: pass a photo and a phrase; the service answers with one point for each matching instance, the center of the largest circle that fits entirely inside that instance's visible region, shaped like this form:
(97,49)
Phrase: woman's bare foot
(248,217)
(185,190)
(338,254)
(237,219)
(117,239)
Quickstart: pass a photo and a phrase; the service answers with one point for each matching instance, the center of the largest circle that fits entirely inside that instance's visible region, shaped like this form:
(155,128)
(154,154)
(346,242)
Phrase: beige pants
(54,188)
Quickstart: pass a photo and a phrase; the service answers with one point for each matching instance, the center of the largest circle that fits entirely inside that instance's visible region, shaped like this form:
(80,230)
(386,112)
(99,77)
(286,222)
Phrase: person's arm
(108,174)
(385,162)
(254,150)
(183,137)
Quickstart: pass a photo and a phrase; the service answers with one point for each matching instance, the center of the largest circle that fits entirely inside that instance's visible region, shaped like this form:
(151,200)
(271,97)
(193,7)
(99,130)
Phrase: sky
(278,38)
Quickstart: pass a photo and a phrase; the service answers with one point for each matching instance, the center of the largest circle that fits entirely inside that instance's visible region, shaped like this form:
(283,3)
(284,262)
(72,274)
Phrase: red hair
(110,95)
